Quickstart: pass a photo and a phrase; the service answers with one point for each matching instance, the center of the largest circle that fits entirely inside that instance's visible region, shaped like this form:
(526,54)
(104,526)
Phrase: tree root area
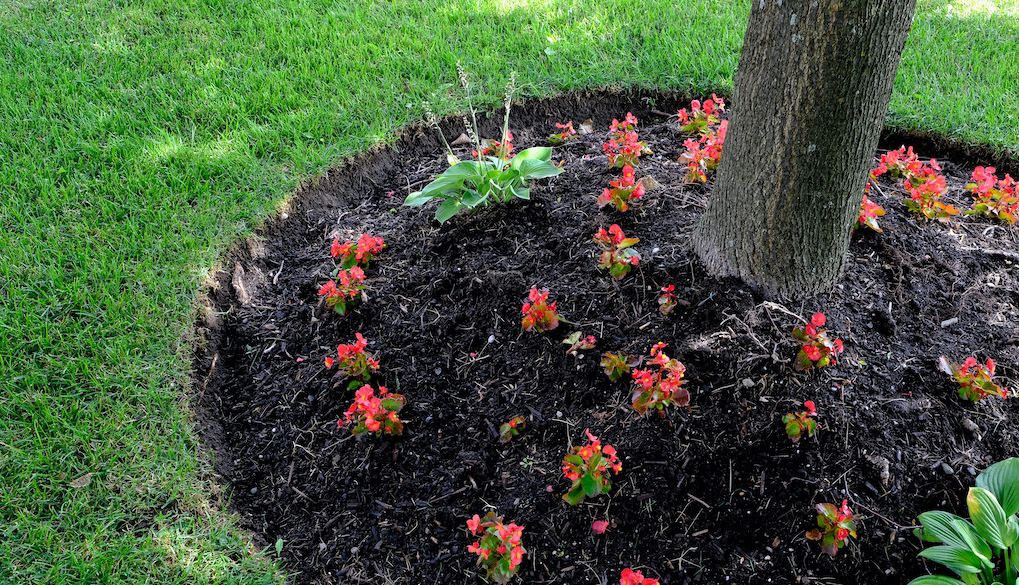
(711,493)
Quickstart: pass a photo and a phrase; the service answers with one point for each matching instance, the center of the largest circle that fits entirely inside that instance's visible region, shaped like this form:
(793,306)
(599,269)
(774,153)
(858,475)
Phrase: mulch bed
(713,493)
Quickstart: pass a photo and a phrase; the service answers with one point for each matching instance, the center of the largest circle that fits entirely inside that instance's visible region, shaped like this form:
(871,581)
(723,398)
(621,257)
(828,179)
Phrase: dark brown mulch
(713,493)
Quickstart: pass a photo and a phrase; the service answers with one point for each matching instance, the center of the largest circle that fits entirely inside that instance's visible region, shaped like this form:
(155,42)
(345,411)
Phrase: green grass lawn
(139,138)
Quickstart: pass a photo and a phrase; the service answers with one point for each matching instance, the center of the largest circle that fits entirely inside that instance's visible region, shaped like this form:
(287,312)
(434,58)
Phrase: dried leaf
(82,481)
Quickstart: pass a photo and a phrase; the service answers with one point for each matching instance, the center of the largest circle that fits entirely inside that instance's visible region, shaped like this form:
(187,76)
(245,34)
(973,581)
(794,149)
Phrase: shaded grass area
(138,139)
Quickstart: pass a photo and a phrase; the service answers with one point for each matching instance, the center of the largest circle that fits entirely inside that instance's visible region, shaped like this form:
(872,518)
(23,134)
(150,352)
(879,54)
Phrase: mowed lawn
(140,138)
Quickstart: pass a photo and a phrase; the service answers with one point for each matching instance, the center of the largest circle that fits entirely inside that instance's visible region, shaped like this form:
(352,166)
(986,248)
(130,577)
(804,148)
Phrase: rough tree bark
(811,95)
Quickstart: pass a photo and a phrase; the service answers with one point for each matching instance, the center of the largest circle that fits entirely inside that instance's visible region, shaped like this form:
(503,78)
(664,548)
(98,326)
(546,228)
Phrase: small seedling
(835,525)
(798,424)
(588,467)
(617,255)
(511,428)
(499,546)
(539,314)
(975,380)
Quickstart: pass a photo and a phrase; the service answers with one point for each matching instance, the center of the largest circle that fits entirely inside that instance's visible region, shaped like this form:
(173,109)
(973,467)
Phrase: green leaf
(467,168)
(940,526)
(543,153)
(279,545)
(1002,480)
(957,559)
(974,542)
(521,193)
(792,430)
(936,580)
(590,485)
(448,209)
(417,199)
(573,459)
(575,495)
(472,198)
(443,184)
(989,518)
(538,169)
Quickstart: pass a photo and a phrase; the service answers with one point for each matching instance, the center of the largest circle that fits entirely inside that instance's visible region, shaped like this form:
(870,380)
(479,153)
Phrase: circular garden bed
(713,492)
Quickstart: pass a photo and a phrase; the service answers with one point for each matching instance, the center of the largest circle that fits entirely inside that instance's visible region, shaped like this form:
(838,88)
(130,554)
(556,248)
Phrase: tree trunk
(811,94)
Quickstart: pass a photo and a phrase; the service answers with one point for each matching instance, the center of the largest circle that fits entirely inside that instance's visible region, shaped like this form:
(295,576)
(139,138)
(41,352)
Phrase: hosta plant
(869,212)
(631,577)
(499,546)
(617,255)
(667,299)
(578,342)
(661,384)
(622,192)
(345,290)
(589,468)
(818,349)
(700,118)
(975,380)
(494,175)
(539,314)
(703,155)
(618,365)
(802,423)
(364,250)
(354,362)
(374,413)
(835,524)
(624,147)
(565,134)
(995,198)
(984,549)
(511,428)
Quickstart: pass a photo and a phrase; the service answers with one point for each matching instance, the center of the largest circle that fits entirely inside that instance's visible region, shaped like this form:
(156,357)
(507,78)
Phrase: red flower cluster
(539,314)
(617,365)
(511,428)
(997,198)
(922,181)
(374,414)
(499,546)
(502,150)
(661,388)
(631,577)
(363,251)
(566,132)
(588,468)
(623,191)
(799,423)
(354,361)
(623,146)
(869,212)
(976,380)
(836,524)
(618,255)
(703,155)
(818,350)
(701,117)
(339,296)
(925,187)
(667,300)
(896,163)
